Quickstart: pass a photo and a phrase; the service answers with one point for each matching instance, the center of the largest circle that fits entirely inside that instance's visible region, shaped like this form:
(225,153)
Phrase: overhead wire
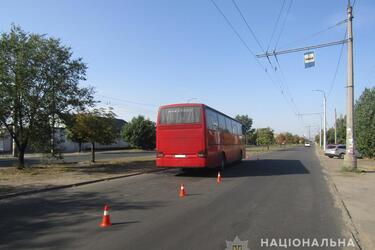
(315,34)
(283,24)
(127,101)
(250,51)
(247,25)
(287,91)
(276,24)
(336,69)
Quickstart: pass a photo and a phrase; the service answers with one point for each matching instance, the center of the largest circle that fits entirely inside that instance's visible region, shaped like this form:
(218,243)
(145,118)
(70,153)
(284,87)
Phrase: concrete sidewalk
(357,194)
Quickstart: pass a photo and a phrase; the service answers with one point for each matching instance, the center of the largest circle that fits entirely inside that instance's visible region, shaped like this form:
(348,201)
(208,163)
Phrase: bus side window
(234,128)
(212,122)
(240,129)
(222,125)
(229,125)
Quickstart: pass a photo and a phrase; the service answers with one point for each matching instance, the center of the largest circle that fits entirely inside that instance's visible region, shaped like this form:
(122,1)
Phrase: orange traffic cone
(218,180)
(106,221)
(182,191)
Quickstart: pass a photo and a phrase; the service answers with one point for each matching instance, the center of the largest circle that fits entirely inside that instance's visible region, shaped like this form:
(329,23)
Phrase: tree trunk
(21,158)
(268,147)
(93,152)
(79,147)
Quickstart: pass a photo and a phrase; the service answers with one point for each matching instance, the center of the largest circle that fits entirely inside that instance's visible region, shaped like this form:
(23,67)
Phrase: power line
(234,29)
(275,53)
(315,34)
(247,24)
(283,25)
(276,24)
(127,101)
(249,50)
(337,69)
(287,91)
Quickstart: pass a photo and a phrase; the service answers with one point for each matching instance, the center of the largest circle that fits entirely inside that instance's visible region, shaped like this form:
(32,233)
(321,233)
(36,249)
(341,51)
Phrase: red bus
(196,136)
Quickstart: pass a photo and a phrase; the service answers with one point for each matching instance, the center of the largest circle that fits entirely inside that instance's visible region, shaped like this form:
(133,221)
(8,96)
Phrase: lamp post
(324,117)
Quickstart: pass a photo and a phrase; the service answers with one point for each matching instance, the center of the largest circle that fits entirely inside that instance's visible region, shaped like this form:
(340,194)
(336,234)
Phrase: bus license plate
(180,156)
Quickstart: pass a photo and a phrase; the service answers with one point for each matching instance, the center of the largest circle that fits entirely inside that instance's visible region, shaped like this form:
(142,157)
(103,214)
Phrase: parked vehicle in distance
(338,150)
(197,136)
(307,144)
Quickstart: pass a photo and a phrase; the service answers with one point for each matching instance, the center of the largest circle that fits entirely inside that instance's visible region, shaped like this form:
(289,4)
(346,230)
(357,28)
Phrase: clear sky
(145,53)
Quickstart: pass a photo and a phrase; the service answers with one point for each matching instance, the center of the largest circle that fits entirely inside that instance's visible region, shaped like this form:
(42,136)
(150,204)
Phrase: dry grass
(59,174)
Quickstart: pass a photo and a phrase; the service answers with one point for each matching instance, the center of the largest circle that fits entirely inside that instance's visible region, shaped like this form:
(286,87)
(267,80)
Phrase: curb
(42,190)
(352,227)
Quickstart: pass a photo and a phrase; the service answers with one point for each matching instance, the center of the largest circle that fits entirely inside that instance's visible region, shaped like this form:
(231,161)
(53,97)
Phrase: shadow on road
(35,218)
(252,168)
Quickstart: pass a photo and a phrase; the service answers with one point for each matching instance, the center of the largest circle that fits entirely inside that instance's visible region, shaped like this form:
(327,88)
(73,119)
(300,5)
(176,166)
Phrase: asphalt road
(76,157)
(282,195)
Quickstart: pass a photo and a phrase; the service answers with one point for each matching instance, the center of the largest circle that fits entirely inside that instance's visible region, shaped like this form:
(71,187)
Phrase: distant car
(338,151)
(307,144)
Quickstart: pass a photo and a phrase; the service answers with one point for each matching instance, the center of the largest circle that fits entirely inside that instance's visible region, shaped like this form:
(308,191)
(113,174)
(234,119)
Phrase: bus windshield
(180,115)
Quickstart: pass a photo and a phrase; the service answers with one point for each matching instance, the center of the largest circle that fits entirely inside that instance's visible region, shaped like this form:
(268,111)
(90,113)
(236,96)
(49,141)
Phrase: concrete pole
(350,159)
(325,122)
(324,118)
(320,132)
(335,128)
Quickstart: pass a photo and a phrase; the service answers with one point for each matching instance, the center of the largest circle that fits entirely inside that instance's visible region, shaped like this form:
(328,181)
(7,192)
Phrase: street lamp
(324,117)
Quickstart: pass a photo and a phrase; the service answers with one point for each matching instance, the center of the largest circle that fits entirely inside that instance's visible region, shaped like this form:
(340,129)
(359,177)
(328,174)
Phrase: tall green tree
(96,126)
(140,133)
(341,130)
(39,81)
(265,137)
(365,122)
(330,136)
(247,123)
(289,137)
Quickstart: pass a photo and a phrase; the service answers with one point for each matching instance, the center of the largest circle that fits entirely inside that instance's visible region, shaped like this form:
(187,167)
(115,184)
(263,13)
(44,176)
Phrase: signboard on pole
(309,58)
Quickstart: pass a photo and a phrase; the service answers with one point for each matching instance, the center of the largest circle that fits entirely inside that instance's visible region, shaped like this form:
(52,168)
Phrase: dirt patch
(13,180)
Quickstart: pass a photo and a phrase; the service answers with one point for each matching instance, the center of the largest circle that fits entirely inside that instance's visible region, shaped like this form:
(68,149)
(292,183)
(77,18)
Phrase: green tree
(341,130)
(72,131)
(251,137)
(289,137)
(247,123)
(265,137)
(297,139)
(365,122)
(39,81)
(140,133)
(330,136)
(97,126)
(317,138)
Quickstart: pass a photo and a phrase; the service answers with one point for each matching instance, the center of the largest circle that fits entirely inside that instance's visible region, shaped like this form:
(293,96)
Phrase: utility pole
(350,159)
(320,132)
(324,118)
(335,128)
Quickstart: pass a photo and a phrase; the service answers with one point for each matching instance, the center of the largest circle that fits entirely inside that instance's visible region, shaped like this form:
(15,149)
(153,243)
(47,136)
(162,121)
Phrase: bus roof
(196,105)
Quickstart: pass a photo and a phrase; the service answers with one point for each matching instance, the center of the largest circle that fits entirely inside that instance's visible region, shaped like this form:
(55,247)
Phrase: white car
(307,144)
